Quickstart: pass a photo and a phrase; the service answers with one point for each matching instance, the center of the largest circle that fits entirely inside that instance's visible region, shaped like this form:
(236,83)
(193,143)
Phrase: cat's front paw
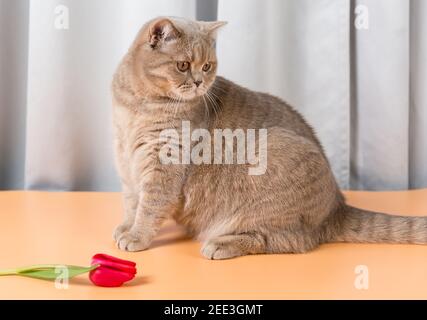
(131,241)
(120,229)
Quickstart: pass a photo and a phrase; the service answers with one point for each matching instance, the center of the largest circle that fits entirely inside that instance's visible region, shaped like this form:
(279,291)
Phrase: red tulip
(112,272)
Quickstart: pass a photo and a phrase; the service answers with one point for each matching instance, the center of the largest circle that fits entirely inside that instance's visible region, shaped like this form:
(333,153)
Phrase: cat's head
(176,57)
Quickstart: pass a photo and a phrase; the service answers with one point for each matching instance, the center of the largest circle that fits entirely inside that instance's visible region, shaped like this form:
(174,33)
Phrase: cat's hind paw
(218,250)
(231,246)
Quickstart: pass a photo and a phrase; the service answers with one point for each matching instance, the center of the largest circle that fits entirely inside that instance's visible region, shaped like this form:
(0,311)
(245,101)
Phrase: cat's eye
(183,66)
(207,67)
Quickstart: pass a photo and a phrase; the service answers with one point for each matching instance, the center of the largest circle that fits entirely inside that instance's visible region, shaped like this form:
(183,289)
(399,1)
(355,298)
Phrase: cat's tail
(356,225)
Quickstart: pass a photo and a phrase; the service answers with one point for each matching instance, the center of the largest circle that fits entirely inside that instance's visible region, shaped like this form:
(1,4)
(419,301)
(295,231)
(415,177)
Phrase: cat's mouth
(189,92)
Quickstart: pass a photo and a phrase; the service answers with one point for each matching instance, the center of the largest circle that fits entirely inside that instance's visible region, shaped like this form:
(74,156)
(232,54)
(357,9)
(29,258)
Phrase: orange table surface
(68,228)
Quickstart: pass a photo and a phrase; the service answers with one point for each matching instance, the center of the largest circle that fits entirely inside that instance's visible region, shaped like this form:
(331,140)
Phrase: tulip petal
(114,259)
(107,277)
(114,263)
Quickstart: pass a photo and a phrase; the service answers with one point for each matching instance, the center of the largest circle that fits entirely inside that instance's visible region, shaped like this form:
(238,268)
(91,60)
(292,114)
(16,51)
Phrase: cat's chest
(143,132)
(136,133)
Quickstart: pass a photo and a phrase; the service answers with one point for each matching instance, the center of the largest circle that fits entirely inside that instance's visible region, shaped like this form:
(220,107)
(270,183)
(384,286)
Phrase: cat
(169,76)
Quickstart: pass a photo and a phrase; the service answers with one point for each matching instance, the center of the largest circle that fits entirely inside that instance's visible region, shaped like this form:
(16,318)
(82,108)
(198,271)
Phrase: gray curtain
(356,69)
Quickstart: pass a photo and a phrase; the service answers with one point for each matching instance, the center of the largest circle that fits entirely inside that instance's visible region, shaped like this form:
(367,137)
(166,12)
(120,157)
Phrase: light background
(364,91)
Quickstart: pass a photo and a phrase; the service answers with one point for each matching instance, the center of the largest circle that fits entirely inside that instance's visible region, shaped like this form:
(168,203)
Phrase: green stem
(14,272)
(46,271)
(9,272)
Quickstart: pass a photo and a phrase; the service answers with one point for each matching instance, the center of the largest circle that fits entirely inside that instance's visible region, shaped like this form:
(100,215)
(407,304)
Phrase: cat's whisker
(213,103)
(207,113)
(216,96)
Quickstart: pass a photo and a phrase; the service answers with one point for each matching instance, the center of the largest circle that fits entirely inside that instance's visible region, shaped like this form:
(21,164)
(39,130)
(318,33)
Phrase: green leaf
(53,272)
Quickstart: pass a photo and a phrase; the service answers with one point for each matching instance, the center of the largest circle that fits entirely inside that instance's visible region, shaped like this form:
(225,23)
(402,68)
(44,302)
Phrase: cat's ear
(212,27)
(161,32)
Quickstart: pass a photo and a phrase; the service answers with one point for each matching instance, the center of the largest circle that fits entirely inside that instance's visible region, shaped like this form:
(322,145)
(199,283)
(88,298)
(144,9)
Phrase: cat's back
(248,109)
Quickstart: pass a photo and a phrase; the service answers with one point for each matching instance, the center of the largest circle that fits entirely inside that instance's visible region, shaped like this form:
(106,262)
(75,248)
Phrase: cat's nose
(198,83)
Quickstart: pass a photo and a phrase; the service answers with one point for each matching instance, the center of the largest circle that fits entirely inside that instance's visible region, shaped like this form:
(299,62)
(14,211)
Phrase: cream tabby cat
(169,75)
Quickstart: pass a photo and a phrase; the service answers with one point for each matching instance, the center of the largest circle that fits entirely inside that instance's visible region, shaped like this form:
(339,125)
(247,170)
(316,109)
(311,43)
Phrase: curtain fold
(68,111)
(418,96)
(380,120)
(299,51)
(364,89)
(13,91)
